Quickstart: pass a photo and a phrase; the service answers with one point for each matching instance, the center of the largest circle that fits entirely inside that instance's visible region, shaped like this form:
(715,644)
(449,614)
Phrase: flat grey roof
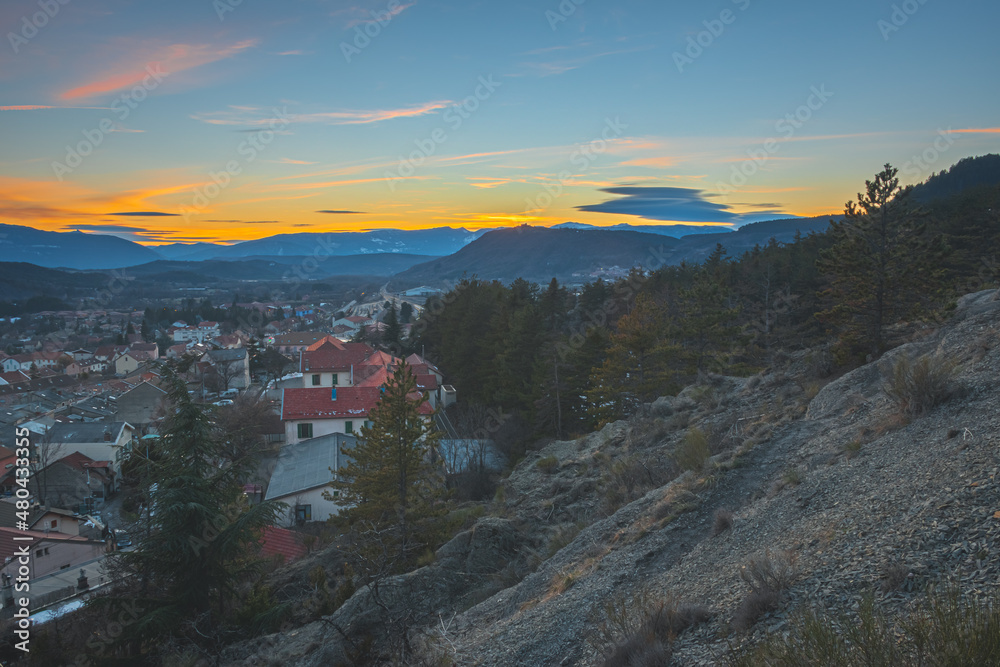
(306,465)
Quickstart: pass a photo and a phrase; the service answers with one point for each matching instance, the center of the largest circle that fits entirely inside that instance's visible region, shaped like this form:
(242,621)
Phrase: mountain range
(566,250)
(577,255)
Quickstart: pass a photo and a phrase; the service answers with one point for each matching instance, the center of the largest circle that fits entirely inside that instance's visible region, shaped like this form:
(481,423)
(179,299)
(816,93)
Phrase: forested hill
(537,254)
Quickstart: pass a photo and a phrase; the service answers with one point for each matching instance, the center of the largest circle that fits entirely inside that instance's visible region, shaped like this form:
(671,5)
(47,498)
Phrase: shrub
(768,576)
(941,631)
(563,536)
(852,449)
(791,477)
(640,631)
(548,465)
(631,477)
(723,521)
(920,385)
(693,452)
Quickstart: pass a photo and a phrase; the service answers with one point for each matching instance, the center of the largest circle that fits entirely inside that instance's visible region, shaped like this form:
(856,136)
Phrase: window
(335,381)
(316,380)
(348,427)
(335,493)
(305,431)
(54,522)
(303,513)
(38,554)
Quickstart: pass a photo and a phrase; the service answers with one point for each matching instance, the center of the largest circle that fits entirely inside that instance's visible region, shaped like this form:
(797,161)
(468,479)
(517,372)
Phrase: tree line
(564,362)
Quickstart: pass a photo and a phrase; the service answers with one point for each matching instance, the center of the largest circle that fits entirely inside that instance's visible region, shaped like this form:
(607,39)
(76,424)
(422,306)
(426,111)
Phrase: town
(87,389)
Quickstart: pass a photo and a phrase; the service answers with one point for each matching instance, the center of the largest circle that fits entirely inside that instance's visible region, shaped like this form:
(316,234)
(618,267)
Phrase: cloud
(170,58)
(108,228)
(145,214)
(673,205)
(343,212)
(286,160)
(651,162)
(37,107)
(356,16)
(561,66)
(259,116)
(975,130)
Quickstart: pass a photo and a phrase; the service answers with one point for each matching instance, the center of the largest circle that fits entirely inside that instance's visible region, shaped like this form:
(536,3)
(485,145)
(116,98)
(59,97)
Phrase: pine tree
(200,541)
(389,486)
(636,369)
(878,266)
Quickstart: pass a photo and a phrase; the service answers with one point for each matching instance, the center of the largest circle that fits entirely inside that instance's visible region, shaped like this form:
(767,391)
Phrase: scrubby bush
(943,631)
(768,576)
(548,465)
(723,521)
(640,631)
(693,452)
(919,385)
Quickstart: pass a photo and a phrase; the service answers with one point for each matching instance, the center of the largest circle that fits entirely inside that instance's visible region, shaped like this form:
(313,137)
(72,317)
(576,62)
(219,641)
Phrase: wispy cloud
(658,162)
(980,130)
(255,117)
(38,107)
(552,67)
(356,15)
(286,160)
(170,58)
(145,214)
(343,212)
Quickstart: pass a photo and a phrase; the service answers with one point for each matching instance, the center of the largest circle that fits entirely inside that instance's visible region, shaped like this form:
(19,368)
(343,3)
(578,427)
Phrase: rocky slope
(829,480)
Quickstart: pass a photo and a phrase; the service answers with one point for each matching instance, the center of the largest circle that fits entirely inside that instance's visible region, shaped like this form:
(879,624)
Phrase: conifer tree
(199,539)
(636,368)
(389,485)
(393,329)
(879,266)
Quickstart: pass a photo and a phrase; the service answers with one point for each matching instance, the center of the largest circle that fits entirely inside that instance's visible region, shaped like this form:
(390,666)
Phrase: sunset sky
(234,119)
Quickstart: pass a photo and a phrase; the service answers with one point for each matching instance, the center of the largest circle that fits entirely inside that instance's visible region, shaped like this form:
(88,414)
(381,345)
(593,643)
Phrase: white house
(313,412)
(204,331)
(303,473)
(101,441)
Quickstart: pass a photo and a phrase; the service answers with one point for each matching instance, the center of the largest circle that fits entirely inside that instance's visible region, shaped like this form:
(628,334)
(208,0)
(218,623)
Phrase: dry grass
(769,576)
(640,631)
(917,386)
(723,521)
(942,630)
(548,465)
(693,452)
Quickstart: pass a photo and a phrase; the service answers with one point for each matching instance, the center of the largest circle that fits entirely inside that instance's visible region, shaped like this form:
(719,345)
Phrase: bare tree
(44,455)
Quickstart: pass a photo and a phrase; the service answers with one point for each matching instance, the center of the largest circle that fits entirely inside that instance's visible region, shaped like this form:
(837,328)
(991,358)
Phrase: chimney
(107,434)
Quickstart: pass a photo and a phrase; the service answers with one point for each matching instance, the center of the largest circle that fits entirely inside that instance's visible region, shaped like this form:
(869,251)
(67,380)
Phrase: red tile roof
(427,382)
(325,342)
(82,462)
(278,541)
(317,402)
(329,357)
(9,547)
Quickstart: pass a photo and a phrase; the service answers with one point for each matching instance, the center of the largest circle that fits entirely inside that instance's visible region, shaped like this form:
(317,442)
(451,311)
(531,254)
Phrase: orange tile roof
(278,541)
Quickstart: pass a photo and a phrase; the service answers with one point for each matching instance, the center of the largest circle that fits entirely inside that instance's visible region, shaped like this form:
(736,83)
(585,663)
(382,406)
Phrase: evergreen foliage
(389,488)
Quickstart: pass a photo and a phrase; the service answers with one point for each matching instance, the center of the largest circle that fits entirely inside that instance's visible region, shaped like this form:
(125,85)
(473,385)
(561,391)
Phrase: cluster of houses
(325,405)
(87,407)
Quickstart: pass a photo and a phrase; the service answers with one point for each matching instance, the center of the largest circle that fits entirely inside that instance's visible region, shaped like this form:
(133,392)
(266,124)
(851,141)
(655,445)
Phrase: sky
(226,120)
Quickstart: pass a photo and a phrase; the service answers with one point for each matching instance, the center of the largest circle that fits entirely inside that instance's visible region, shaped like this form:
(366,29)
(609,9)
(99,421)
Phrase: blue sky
(258,115)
